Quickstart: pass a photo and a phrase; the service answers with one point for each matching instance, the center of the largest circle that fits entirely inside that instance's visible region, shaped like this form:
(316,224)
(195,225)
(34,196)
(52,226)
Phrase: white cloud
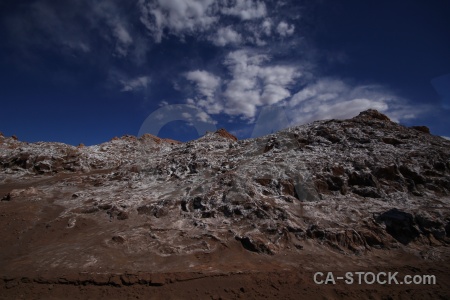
(197,115)
(284,29)
(330,98)
(225,36)
(124,40)
(267,27)
(446,137)
(186,115)
(206,83)
(246,9)
(123,35)
(135,84)
(179,17)
(252,84)
(206,19)
(204,117)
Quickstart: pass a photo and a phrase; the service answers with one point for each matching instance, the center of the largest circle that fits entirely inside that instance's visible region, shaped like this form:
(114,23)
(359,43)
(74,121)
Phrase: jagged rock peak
(372,114)
(150,137)
(423,129)
(158,140)
(224,133)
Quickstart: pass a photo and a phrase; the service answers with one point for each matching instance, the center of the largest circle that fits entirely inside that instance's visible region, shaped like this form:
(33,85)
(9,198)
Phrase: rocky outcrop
(350,185)
(223,133)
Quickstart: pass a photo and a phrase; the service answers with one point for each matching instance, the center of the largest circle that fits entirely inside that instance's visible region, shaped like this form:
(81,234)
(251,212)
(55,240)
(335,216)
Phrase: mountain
(343,190)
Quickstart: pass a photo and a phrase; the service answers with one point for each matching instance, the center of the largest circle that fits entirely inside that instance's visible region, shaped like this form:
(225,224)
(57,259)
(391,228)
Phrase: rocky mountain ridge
(351,186)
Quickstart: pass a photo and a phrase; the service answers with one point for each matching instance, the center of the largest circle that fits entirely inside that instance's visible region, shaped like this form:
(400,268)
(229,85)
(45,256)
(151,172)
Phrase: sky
(87,71)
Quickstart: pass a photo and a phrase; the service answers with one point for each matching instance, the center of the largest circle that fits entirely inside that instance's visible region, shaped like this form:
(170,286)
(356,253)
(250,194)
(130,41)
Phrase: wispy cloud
(177,17)
(227,22)
(250,72)
(245,9)
(284,29)
(329,98)
(124,40)
(225,36)
(135,84)
(254,81)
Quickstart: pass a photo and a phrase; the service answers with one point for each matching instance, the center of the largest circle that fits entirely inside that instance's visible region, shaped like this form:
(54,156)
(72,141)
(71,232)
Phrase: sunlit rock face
(348,185)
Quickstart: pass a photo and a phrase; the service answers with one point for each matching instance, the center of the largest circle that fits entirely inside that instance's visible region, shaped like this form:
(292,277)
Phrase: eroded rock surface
(346,185)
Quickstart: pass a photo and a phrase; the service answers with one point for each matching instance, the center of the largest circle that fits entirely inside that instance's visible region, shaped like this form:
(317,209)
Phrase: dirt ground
(246,285)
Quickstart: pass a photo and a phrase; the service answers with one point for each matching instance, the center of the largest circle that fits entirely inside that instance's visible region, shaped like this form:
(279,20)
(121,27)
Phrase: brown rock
(129,138)
(264,181)
(145,210)
(392,141)
(122,215)
(150,137)
(372,114)
(118,239)
(423,129)
(321,186)
(223,133)
(399,224)
(362,179)
(7,197)
(115,280)
(254,245)
(389,172)
(129,279)
(172,142)
(158,280)
(287,188)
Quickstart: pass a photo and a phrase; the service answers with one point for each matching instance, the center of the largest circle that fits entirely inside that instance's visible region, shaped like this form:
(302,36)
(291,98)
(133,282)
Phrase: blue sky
(86,71)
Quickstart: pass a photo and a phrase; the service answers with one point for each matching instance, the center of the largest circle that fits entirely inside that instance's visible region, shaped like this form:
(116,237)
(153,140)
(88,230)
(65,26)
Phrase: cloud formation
(245,9)
(226,36)
(284,29)
(252,40)
(180,18)
(251,83)
(124,39)
(135,84)
(332,98)
(206,85)
(177,17)
(254,82)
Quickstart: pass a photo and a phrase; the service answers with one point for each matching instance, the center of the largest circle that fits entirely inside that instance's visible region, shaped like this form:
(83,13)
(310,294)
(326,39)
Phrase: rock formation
(350,186)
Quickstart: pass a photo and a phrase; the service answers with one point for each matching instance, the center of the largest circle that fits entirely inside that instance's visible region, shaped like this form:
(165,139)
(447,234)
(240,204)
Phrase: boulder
(372,114)
(400,225)
(423,129)
(254,245)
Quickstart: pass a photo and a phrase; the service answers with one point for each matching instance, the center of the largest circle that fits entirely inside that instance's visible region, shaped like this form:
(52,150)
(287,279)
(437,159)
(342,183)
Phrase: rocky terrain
(252,218)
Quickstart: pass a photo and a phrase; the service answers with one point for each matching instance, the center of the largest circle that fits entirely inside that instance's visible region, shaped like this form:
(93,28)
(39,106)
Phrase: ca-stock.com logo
(270,120)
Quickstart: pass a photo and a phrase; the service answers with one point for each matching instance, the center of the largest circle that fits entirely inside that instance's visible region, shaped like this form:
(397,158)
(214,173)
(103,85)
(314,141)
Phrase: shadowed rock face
(348,185)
